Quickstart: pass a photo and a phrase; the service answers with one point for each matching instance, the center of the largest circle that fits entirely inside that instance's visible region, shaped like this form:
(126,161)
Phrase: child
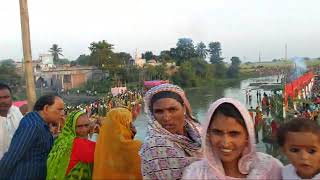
(299,140)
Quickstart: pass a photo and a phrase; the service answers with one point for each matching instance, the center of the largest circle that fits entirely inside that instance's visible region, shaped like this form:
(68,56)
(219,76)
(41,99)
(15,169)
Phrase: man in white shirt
(10,117)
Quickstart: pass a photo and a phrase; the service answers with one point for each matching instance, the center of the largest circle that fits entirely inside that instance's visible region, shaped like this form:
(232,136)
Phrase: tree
(56,51)
(184,50)
(215,52)
(186,75)
(201,50)
(8,73)
(101,53)
(201,68)
(123,57)
(148,55)
(165,56)
(233,70)
(83,60)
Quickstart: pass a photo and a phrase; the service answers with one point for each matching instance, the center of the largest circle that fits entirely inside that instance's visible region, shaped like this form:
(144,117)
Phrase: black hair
(229,110)
(4,86)
(299,124)
(44,100)
(165,94)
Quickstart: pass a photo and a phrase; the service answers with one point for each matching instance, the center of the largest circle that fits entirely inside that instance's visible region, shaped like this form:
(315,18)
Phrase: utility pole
(25,31)
(259,57)
(285,53)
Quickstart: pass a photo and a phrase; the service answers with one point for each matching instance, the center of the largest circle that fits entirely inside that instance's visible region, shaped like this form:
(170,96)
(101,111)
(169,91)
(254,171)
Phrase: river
(201,98)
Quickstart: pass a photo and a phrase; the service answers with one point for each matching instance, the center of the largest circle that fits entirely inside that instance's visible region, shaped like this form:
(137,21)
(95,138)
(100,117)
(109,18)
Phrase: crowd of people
(177,146)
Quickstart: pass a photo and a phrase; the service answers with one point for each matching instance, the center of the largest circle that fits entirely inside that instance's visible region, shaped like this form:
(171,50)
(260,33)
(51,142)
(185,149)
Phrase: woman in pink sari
(228,141)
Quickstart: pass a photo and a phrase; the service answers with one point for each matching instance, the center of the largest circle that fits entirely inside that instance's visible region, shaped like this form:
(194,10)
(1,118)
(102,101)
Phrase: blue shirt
(28,151)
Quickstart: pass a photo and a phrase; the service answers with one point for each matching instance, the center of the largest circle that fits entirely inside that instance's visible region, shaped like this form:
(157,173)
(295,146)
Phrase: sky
(243,27)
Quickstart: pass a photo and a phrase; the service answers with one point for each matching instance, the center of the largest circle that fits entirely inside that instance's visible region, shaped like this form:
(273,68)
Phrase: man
(32,141)
(10,117)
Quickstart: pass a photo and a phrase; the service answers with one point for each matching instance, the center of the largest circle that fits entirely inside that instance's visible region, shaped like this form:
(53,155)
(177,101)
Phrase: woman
(72,154)
(229,147)
(116,154)
(173,139)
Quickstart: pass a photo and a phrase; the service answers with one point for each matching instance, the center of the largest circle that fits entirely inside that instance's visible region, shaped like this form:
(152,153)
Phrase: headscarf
(191,147)
(116,154)
(59,156)
(249,153)
(254,164)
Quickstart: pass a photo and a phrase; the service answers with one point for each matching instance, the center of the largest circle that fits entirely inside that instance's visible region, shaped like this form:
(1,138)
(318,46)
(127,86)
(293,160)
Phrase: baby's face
(303,151)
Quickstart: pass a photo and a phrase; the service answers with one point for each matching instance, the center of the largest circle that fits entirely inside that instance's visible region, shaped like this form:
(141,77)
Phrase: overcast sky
(244,27)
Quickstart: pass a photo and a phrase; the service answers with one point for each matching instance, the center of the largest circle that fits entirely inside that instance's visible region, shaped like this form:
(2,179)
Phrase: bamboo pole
(25,32)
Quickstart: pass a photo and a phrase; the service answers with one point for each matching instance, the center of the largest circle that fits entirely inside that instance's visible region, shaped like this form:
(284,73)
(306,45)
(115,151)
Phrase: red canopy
(20,103)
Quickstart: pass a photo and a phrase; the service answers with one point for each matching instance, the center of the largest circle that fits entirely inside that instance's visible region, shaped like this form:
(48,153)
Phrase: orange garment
(116,154)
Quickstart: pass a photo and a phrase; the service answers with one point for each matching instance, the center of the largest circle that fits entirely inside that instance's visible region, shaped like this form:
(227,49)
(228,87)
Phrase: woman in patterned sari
(173,139)
(72,154)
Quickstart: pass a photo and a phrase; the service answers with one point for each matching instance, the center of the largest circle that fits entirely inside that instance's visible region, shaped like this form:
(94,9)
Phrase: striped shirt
(28,151)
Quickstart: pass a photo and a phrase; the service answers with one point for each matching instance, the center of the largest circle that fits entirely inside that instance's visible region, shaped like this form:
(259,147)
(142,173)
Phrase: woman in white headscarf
(173,138)
(228,141)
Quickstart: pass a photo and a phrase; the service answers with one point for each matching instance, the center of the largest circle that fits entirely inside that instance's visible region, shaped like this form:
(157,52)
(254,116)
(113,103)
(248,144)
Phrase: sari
(116,155)
(67,145)
(165,155)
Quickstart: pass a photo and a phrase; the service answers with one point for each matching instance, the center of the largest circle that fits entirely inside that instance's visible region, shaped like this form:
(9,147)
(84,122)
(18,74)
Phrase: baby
(299,140)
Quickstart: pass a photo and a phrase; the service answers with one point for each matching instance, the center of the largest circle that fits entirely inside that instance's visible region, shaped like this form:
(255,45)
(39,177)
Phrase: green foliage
(184,50)
(102,86)
(165,56)
(83,60)
(56,52)
(233,70)
(186,76)
(101,54)
(63,61)
(8,73)
(215,52)
(148,55)
(201,51)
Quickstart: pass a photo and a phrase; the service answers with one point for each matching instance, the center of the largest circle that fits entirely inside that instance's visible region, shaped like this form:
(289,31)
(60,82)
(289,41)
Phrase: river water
(201,98)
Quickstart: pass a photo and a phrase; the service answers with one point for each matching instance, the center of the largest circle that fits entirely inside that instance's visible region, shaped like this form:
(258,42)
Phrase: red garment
(82,151)
(258,119)
(274,128)
(251,114)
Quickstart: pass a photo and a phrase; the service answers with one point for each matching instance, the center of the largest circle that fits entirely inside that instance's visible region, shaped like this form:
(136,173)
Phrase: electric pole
(27,58)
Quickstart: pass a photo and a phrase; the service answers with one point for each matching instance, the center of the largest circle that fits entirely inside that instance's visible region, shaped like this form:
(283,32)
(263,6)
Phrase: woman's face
(228,138)
(170,114)
(83,126)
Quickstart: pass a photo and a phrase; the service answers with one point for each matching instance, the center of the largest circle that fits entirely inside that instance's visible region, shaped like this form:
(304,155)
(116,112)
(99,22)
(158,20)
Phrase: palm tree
(55,51)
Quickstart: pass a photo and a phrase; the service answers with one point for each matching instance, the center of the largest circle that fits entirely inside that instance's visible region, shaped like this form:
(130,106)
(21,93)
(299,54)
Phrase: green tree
(101,54)
(185,50)
(148,55)
(201,50)
(215,52)
(233,70)
(56,52)
(83,60)
(186,76)
(8,73)
(123,58)
(165,56)
(202,68)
